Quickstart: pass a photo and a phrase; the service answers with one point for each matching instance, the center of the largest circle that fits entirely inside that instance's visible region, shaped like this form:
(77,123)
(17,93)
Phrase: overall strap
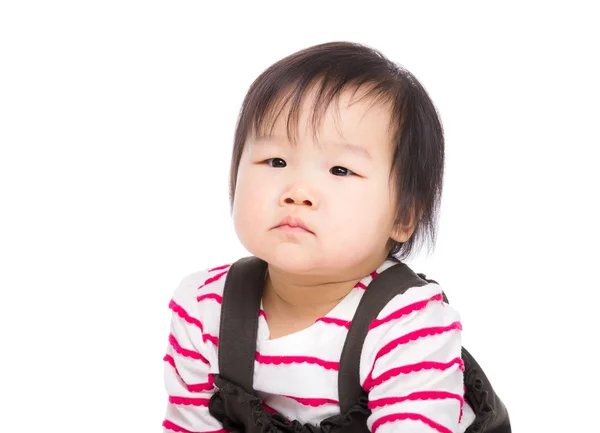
(385,286)
(239,321)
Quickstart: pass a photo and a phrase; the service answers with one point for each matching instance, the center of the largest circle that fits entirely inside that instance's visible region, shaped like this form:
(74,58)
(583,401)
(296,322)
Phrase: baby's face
(336,185)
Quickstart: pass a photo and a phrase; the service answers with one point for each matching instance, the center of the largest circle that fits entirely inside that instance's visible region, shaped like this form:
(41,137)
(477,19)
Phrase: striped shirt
(410,363)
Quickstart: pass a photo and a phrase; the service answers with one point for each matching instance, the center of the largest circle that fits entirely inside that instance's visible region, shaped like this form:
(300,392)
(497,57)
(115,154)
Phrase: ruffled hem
(240,411)
(477,394)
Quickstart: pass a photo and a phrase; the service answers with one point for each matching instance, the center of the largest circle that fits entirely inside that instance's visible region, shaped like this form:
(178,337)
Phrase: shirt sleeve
(413,367)
(188,374)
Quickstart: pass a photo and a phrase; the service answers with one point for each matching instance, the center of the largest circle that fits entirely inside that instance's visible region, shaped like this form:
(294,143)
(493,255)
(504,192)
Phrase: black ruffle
(477,397)
(490,413)
(242,412)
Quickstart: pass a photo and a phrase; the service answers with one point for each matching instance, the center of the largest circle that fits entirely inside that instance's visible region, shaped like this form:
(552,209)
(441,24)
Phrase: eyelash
(350,172)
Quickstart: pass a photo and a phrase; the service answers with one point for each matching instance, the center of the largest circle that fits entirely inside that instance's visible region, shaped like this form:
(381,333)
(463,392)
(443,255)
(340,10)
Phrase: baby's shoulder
(207,280)
(424,304)
(201,293)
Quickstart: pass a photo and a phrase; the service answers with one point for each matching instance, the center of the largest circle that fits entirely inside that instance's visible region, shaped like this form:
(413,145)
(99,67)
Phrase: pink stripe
(207,337)
(262,313)
(186,352)
(415,335)
(185,316)
(168,358)
(189,401)
(174,427)
(269,408)
(411,368)
(201,387)
(178,309)
(411,416)
(404,311)
(218,268)
(277,360)
(361,285)
(334,321)
(422,395)
(196,387)
(313,402)
(214,296)
(212,279)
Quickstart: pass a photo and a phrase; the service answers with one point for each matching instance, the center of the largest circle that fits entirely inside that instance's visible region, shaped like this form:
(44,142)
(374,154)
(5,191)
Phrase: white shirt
(410,363)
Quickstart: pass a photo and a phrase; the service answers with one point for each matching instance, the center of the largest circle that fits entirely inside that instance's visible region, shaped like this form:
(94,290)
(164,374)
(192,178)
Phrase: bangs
(323,72)
(320,92)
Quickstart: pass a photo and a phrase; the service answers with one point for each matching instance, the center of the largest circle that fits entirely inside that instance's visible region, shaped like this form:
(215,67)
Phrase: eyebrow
(354,148)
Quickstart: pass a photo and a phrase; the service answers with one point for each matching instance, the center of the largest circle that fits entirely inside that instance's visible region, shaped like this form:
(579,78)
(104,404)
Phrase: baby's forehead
(339,119)
(323,144)
(360,132)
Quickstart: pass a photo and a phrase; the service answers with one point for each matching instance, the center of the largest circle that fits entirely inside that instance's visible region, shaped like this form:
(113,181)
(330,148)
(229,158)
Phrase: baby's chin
(292,258)
(296,260)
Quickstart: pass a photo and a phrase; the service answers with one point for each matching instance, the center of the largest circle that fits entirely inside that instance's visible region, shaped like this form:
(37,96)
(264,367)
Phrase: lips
(293,224)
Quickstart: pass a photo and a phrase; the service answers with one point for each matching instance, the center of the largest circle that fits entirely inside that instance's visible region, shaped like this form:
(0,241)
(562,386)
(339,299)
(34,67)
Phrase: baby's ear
(402,232)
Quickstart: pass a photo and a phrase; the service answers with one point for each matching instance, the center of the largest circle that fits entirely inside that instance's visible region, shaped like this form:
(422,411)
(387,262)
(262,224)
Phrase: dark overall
(239,409)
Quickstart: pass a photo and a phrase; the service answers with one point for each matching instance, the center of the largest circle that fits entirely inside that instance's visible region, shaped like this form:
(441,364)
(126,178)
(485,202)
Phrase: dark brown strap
(239,321)
(391,282)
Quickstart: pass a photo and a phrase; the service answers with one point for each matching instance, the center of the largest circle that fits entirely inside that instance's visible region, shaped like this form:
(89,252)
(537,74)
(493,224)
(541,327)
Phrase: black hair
(332,68)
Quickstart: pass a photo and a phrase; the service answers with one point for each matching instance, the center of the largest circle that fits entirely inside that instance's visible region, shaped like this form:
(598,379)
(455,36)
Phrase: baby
(336,176)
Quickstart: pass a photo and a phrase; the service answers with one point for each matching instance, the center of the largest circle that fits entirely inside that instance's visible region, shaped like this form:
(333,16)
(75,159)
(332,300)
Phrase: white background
(116,125)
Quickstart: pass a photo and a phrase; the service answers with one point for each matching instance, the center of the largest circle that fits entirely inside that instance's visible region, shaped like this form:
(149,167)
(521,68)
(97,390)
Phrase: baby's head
(340,139)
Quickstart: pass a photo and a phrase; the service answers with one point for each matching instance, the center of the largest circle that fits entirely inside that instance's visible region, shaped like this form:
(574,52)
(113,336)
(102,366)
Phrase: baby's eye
(276,162)
(340,171)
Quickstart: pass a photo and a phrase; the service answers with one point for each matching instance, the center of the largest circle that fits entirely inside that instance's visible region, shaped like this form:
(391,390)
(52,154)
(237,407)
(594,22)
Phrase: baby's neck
(291,306)
(303,300)
(294,302)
